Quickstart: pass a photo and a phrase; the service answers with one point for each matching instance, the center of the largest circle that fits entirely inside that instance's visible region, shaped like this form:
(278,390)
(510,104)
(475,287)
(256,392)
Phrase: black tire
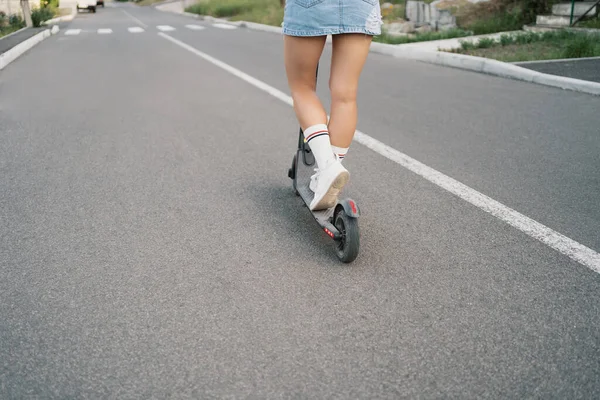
(348,246)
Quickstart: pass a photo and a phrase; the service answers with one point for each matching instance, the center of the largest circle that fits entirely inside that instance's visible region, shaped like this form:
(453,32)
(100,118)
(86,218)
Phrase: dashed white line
(194,27)
(224,26)
(104,31)
(165,28)
(135,29)
(564,245)
(71,32)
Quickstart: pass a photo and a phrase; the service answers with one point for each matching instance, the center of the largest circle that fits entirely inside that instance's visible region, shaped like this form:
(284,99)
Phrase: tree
(26,13)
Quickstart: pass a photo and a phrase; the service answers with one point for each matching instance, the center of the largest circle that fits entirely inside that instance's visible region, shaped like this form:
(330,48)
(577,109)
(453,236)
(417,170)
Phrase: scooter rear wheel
(348,246)
(292,174)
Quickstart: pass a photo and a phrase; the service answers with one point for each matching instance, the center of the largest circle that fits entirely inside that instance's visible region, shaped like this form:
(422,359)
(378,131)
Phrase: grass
(421,37)
(267,12)
(592,23)
(497,23)
(146,2)
(534,46)
(500,15)
(7,30)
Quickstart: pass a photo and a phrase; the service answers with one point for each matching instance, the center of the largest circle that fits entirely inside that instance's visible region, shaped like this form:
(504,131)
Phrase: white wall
(14,6)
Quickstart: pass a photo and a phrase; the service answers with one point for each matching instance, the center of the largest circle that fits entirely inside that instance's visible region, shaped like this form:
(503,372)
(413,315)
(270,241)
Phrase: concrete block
(418,12)
(552,20)
(564,9)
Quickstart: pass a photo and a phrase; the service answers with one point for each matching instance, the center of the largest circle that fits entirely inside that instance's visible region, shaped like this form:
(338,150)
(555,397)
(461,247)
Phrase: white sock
(317,136)
(340,151)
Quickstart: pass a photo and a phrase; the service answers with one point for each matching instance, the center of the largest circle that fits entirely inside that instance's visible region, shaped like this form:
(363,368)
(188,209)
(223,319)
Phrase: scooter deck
(323,217)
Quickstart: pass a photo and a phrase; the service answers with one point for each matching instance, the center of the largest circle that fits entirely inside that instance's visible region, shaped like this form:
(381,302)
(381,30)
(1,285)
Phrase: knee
(302,89)
(342,92)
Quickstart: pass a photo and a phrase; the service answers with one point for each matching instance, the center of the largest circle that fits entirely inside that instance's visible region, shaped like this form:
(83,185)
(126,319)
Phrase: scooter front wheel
(348,246)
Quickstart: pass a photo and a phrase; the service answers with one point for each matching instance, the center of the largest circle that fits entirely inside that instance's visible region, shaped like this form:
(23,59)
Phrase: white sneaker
(314,180)
(329,183)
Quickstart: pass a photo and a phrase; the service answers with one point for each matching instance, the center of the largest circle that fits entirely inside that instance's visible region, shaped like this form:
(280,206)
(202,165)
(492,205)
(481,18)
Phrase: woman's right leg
(350,53)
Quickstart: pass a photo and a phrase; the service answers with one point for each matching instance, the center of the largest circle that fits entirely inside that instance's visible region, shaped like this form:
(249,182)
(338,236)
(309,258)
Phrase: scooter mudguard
(350,207)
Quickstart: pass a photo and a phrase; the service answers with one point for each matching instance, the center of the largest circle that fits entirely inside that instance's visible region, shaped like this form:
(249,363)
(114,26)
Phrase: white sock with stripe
(317,136)
(340,151)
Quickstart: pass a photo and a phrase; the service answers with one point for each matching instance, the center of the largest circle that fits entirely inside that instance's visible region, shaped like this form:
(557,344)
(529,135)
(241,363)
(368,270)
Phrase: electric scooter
(339,222)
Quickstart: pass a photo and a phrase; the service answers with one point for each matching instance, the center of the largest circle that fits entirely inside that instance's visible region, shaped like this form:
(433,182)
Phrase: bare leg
(302,55)
(350,53)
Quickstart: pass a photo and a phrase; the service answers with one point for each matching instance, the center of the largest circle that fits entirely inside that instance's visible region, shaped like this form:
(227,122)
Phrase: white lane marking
(135,19)
(165,28)
(224,26)
(71,32)
(564,245)
(104,31)
(194,27)
(135,29)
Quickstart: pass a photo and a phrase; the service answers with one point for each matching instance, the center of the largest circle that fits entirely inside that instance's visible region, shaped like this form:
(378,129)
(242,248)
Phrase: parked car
(89,5)
(100,3)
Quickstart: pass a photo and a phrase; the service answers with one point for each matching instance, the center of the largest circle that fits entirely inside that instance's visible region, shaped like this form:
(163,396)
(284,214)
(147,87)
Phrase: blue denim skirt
(331,17)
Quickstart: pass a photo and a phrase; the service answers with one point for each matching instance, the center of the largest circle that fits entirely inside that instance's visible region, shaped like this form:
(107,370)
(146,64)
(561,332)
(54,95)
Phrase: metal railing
(571,22)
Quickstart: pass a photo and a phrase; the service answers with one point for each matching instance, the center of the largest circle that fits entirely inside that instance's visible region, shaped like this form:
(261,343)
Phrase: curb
(490,67)
(460,61)
(14,53)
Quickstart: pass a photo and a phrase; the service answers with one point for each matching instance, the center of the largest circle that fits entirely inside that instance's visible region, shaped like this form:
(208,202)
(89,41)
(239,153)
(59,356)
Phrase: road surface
(151,245)
(586,69)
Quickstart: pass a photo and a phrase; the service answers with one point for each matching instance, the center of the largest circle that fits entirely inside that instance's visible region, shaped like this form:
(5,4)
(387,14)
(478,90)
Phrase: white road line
(194,27)
(165,28)
(224,26)
(576,251)
(135,19)
(104,31)
(135,29)
(71,32)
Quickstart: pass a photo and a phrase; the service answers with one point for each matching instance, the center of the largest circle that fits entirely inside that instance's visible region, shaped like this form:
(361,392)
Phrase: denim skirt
(331,17)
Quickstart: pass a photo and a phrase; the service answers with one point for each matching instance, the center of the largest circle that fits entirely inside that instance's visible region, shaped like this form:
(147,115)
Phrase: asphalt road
(9,41)
(588,70)
(151,245)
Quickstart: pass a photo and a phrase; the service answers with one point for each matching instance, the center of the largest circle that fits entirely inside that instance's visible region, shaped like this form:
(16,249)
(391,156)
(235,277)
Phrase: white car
(86,5)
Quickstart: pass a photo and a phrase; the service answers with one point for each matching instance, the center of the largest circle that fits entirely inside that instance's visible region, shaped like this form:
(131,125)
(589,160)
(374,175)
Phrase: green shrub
(496,23)
(223,9)
(466,45)
(15,20)
(581,46)
(39,15)
(506,40)
(526,38)
(485,43)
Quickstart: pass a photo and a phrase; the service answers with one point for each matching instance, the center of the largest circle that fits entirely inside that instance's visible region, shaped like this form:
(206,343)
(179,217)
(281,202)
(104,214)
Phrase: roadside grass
(267,12)
(500,15)
(146,2)
(510,21)
(422,37)
(7,30)
(532,46)
(10,24)
(591,23)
